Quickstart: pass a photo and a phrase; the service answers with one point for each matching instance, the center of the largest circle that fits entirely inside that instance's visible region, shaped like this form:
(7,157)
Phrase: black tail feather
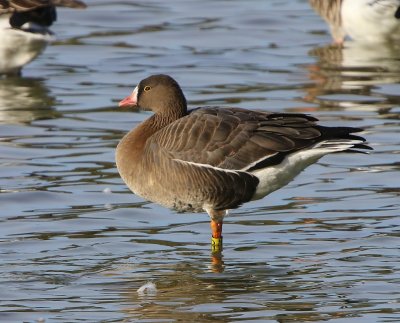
(332,133)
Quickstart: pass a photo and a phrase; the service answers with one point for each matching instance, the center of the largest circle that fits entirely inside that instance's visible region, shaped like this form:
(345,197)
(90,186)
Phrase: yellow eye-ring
(147,88)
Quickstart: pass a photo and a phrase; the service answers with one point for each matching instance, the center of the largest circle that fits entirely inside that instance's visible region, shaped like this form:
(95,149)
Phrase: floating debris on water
(147,289)
(107,190)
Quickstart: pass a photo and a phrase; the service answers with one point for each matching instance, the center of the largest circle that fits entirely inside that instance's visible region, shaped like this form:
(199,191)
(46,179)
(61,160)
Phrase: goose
(213,158)
(24,30)
(366,21)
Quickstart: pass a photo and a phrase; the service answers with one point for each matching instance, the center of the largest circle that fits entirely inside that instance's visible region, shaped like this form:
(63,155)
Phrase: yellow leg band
(216,244)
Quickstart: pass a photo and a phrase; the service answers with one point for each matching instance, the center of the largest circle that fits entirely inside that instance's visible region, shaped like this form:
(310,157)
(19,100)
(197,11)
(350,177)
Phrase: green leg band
(216,244)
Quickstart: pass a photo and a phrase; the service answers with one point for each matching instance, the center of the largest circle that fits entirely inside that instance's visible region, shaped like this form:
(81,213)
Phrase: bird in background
(24,30)
(365,21)
(214,158)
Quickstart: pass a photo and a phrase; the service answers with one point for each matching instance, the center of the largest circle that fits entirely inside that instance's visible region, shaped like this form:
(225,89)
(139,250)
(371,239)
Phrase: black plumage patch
(397,13)
(44,16)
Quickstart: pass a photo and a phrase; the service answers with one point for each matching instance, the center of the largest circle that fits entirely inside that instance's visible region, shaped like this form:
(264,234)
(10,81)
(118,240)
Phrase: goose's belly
(165,195)
(155,188)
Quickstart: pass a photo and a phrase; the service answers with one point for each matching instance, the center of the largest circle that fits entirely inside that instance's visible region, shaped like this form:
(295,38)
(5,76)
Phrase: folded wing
(238,139)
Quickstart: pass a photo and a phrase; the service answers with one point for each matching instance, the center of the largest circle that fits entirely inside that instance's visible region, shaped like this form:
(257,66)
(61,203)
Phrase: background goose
(362,20)
(214,159)
(24,30)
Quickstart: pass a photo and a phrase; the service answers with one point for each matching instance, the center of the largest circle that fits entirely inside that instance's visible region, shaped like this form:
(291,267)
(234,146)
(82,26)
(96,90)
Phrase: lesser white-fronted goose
(24,32)
(214,159)
(368,21)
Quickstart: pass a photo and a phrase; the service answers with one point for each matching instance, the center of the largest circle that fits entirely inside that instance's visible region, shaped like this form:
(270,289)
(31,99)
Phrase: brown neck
(160,120)
(135,141)
(169,111)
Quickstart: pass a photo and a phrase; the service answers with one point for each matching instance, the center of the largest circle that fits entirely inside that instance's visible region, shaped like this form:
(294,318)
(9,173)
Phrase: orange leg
(216,238)
(217,217)
(216,229)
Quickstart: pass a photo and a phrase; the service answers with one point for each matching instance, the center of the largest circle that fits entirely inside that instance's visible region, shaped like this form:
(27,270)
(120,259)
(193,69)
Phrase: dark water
(76,245)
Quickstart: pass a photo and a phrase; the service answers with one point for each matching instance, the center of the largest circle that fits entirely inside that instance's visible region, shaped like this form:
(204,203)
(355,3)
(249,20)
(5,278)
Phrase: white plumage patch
(371,20)
(274,177)
(19,47)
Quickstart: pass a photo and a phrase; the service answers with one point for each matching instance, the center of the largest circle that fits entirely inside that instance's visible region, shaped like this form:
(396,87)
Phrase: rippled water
(76,245)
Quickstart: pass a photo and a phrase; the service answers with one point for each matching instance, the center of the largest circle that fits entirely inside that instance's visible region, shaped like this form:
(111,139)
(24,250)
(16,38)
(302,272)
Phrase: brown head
(158,93)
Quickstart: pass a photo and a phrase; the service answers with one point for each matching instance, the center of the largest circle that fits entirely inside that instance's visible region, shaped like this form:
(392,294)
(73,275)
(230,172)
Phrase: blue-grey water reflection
(75,244)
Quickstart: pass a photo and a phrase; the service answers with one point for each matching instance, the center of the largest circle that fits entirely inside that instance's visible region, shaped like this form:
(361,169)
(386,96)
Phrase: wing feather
(233,138)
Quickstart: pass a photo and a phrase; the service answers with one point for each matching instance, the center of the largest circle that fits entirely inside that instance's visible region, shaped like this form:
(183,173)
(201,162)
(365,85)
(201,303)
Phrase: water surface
(75,244)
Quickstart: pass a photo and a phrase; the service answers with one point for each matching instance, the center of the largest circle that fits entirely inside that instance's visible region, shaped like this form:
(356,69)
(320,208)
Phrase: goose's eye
(147,88)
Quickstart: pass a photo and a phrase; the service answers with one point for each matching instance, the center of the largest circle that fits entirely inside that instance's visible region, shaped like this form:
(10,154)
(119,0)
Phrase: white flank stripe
(205,166)
(257,161)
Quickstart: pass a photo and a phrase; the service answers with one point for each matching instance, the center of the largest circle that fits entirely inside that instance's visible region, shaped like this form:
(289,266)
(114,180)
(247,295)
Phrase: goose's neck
(169,111)
(136,139)
(160,120)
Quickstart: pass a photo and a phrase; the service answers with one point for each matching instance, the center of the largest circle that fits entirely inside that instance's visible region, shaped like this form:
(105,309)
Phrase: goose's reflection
(352,69)
(217,263)
(204,297)
(23,100)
